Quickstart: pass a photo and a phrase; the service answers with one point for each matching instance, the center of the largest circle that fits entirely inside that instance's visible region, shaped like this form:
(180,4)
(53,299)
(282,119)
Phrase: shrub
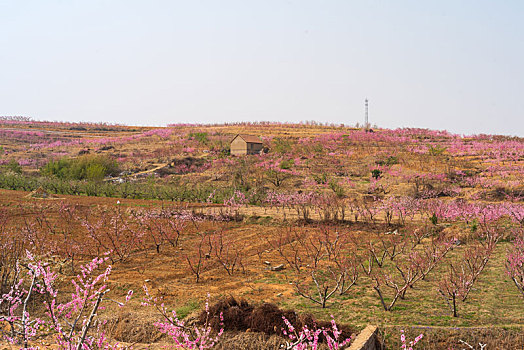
(86,167)
(318,148)
(376,173)
(391,160)
(92,167)
(337,188)
(14,167)
(308,338)
(56,168)
(282,145)
(200,137)
(436,150)
(184,336)
(287,164)
(320,178)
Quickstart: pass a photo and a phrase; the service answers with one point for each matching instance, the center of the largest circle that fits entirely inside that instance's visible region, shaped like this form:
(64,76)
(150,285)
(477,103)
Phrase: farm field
(409,229)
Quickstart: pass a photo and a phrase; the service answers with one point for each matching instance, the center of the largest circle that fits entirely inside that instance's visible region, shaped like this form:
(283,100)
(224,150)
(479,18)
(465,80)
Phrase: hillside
(386,227)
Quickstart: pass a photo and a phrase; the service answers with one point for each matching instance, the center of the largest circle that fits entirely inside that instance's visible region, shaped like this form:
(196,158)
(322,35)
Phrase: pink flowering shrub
(184,337)
(409,346)
(13,307)
(515,263)
(309,339)
(71,322)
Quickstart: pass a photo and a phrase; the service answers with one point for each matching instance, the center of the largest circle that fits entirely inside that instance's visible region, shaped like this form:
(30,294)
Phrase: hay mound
(41,194)
(265,318)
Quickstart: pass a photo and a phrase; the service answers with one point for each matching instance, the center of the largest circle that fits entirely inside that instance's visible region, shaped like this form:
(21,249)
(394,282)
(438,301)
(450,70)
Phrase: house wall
(254,148)
(238,146)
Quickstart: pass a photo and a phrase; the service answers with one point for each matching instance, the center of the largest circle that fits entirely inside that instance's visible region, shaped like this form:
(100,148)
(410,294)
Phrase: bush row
(143,190)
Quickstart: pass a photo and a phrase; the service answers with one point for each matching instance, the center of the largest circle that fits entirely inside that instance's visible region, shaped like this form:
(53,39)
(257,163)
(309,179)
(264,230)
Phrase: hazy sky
(443,64)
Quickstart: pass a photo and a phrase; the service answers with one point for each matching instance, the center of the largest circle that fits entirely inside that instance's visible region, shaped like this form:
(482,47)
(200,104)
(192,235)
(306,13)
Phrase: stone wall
(366,340)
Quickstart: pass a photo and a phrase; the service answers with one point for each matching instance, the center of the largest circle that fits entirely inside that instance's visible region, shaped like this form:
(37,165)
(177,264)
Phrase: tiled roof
(249,138)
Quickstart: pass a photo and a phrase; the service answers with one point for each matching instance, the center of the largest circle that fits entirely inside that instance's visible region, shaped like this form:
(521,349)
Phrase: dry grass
(436,338)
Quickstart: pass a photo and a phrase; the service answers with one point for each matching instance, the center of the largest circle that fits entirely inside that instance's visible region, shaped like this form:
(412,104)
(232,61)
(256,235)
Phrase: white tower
(366,122)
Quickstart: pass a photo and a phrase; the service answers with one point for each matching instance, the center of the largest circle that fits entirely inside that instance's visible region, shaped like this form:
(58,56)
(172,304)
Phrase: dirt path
(158,166)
